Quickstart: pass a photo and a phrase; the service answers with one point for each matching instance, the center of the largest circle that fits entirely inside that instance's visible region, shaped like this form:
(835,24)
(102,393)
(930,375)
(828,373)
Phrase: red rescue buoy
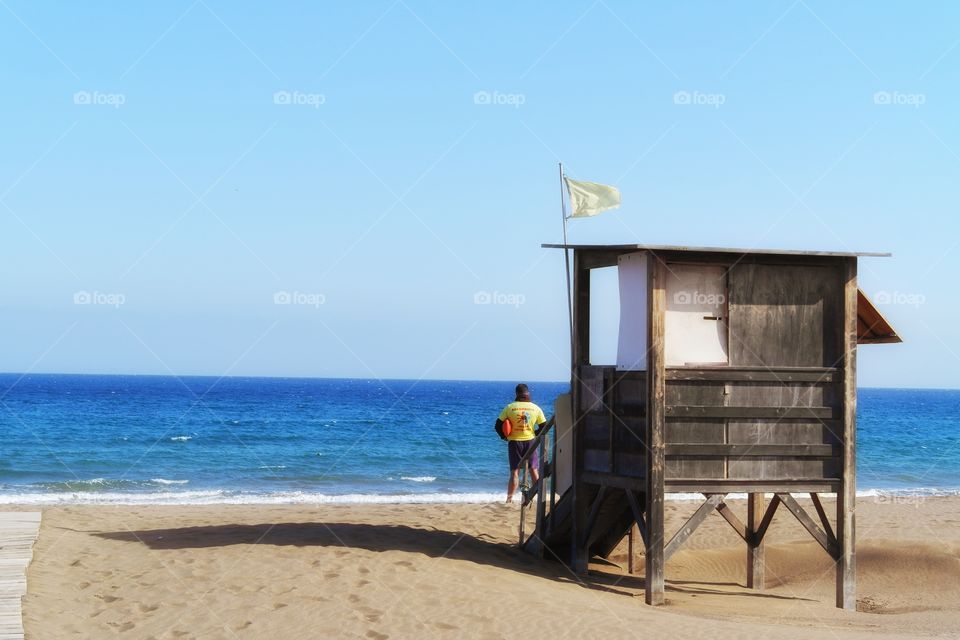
(507,428)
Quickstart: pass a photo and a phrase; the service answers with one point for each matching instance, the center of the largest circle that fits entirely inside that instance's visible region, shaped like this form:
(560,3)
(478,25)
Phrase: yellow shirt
(523,417)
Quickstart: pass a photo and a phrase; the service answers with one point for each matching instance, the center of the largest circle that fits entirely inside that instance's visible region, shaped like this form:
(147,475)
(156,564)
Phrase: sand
(421,571)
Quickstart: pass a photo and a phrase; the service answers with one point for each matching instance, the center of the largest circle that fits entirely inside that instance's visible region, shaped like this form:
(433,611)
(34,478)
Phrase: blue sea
(199,440)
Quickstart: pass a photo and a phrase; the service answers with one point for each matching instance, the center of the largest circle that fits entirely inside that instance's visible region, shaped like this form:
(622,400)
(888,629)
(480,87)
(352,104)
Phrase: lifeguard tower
(735,373)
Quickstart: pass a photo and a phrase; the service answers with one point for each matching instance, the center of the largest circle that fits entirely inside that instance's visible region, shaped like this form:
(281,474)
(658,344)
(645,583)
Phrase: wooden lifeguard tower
(735,373)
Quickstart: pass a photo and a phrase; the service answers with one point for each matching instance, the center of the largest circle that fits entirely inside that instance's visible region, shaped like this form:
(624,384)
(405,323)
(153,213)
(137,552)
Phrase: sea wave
(181,438)
(168,482)
(91,485)
(418,478)
(235,497)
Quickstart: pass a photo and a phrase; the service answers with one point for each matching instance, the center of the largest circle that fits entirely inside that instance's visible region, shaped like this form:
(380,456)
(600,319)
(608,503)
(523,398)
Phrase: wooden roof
(653,247)
(872,327)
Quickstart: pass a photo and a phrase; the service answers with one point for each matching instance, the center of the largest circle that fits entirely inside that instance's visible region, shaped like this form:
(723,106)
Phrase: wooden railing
(545,471)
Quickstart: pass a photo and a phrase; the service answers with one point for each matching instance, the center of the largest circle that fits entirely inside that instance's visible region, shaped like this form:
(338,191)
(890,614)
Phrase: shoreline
(213,497)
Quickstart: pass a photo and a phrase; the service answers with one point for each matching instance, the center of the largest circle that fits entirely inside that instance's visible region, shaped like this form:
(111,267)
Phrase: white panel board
(632,345)
(696,327)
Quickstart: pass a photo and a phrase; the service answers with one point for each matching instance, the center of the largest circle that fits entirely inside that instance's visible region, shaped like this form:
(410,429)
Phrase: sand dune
(406,571)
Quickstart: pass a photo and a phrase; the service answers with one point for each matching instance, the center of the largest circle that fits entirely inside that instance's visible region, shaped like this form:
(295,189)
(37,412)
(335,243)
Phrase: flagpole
(566,259)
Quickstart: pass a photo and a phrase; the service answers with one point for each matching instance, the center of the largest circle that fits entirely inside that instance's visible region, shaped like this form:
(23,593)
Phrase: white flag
(590,198)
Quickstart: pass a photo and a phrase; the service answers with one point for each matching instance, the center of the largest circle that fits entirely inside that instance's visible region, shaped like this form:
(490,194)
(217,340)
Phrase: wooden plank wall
(613,410)
(782,394)
(775,413)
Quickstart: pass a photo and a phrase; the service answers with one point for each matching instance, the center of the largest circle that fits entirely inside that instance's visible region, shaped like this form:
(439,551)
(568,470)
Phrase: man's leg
(512,484)
(534,466)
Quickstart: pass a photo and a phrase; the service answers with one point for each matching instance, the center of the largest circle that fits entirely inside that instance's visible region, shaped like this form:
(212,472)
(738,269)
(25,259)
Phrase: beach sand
(420,571)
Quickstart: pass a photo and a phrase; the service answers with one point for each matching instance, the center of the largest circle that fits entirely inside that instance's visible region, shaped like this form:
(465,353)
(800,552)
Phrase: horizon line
(384,379)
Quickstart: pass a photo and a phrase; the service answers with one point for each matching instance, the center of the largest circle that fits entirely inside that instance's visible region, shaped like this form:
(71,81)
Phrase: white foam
(214,497)
(181,438)
(419,478)
(233,497)
(165,481)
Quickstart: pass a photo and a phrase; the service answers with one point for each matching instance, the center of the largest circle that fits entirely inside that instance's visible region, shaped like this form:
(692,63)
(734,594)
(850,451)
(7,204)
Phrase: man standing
(525,419)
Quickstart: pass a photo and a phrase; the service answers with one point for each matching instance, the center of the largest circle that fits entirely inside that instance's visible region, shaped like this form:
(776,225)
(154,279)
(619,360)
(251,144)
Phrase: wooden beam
(761,530)
(778,413)
(748,450)
(733,520)
(592,517)
(540,529)
(631,549)
(823,518)
(755,550)
(637,515)
(785,485)
(579,559)
(812,527)
(691,525)
(611,480)
(655,429)
(847,496)
(581,310)
(753,374)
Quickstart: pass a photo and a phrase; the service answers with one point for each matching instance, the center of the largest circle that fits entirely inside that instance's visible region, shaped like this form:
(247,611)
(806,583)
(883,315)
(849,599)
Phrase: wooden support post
(847,496)
(592,516)
(632,550)
(681,536)
(541,499)
(755,510)
(822,538)
(733,521)
(579,554)
(824,521)
(656,397)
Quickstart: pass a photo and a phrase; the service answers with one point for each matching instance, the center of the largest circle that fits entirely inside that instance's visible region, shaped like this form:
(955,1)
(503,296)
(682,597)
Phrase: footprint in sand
(330,575)
(145,608)
(377,636)
(363,570)
(279,605)
(108,598)
(362,583)
(126,626)
(404,563)
(353,598)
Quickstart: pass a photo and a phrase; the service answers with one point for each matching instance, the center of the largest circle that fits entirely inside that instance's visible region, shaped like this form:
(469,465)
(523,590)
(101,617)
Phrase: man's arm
(498,427)
(545,425)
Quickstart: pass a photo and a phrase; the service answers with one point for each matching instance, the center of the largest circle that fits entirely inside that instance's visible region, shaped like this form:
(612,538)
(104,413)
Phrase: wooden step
(18,532)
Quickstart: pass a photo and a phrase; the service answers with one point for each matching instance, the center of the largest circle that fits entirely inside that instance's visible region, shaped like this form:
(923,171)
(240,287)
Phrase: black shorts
(516,449)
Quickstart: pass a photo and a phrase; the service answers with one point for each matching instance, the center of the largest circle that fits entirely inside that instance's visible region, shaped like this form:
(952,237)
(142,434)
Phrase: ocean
(204,440)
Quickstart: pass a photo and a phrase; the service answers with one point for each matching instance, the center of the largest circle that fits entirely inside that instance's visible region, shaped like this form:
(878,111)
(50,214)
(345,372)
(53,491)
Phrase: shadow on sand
(432,542)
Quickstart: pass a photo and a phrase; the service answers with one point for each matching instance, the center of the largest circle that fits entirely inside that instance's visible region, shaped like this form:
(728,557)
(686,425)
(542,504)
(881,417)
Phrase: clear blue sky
(146,160)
